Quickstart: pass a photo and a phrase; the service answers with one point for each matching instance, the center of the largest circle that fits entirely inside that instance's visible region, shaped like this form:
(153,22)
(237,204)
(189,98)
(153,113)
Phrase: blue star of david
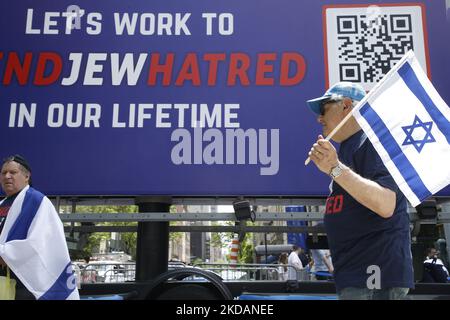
(418,144)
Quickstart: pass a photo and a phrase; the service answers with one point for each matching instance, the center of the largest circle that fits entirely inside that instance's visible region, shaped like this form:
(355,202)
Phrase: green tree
(174,236)
(221,239)
(129,239)
(246,250)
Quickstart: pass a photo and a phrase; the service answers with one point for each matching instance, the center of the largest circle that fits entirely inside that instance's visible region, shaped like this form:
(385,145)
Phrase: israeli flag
(33,245)
(408,123)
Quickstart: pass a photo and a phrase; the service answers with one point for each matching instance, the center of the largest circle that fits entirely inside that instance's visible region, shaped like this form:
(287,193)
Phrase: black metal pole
(152,248)
(265,245)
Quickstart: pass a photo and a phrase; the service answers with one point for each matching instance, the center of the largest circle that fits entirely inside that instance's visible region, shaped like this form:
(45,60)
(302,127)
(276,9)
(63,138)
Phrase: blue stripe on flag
(406,72)
(396,154)
(60,289)
(30,206)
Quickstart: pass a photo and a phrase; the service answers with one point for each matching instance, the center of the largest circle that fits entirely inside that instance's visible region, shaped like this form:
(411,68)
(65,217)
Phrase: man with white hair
(15,176)
(32,240)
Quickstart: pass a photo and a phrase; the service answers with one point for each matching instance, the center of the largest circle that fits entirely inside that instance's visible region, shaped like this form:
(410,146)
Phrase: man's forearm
(369,193)
(328,264)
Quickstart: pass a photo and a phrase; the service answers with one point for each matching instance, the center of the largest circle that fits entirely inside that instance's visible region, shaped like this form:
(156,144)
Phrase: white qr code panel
(362,43)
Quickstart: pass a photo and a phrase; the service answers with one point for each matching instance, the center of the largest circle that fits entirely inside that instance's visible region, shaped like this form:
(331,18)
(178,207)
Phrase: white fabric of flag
(408,123)
(33,245)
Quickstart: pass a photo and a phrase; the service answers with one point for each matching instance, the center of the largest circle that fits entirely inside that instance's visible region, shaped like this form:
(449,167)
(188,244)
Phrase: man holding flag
(366,219)
(394,143)
(32,240)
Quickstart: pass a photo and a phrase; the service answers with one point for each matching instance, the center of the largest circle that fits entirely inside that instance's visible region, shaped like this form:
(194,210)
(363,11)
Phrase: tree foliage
(246,251)
(129,239)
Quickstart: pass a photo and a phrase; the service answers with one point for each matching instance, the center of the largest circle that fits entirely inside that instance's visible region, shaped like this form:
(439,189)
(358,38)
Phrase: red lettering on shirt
(334,204)
(4,211)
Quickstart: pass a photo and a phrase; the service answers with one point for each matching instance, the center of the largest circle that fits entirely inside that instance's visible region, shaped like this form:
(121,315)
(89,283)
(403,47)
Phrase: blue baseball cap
(339,90)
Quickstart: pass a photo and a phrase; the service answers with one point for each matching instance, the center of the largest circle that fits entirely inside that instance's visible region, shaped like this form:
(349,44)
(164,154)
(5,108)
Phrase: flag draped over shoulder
(408,123)
(33,245)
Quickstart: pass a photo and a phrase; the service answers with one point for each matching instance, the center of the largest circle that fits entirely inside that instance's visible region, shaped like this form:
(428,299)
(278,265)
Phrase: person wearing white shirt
(294,263)
(283,268)
(322,263)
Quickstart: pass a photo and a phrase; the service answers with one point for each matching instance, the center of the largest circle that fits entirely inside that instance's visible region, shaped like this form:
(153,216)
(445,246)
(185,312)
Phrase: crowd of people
(316,262)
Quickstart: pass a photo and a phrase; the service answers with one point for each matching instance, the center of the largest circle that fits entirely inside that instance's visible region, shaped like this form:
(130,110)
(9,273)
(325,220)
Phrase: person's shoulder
(436,261)
(35,192)
(39,196)
(357,141)
(365,145)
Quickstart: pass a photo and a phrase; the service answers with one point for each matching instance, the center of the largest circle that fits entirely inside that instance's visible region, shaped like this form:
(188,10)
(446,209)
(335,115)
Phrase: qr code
(364,43)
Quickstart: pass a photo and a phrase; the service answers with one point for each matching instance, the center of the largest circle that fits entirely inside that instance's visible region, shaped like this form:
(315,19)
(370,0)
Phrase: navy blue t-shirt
(358,237)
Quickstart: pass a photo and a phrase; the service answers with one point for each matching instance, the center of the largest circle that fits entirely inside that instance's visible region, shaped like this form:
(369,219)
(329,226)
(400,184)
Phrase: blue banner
(197,98)
(298,239)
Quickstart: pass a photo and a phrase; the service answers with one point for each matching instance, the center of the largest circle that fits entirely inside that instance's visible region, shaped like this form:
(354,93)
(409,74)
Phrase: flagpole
(408,55)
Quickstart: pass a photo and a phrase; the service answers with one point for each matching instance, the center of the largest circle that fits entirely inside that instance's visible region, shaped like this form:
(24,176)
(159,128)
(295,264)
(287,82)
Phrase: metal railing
(119,275)
(106,272)
(125,272)
(254,272)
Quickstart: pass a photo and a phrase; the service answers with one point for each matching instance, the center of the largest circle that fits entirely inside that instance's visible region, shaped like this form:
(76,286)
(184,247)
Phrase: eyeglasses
(322,106)
(322,109)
